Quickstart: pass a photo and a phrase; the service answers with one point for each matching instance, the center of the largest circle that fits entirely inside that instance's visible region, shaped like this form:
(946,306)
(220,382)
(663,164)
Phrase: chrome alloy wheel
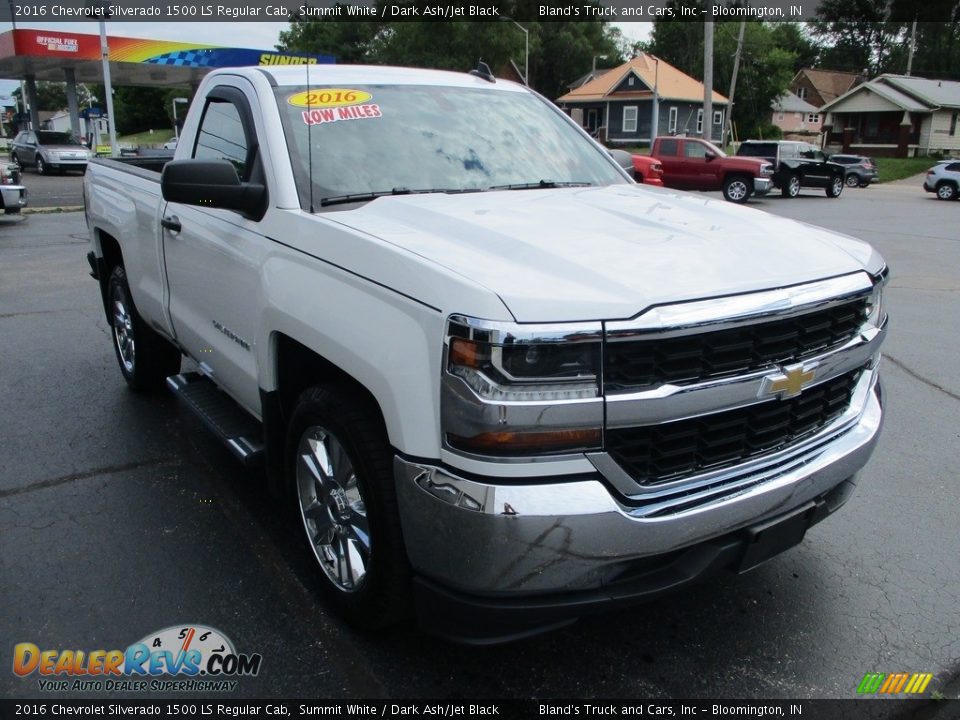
(123,332)
(737,190)
(793,186)
(332,507)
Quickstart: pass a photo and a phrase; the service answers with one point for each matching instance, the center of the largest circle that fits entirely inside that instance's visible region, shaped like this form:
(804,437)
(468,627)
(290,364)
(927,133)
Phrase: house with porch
(619,105)
(895,116)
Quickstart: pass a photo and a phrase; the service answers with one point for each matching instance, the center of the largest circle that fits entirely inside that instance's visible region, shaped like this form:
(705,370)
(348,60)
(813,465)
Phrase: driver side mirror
(709,155)
(212,183)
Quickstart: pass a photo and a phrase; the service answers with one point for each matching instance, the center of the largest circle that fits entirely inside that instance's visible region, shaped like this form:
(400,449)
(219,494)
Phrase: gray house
(895,115)
(619,103)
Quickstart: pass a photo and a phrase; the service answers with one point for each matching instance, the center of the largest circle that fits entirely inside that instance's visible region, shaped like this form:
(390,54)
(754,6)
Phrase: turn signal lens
(466,353)
(528,443)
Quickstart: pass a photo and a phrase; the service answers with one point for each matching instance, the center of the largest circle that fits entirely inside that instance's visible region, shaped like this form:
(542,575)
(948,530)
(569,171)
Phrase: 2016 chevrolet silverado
(499,382)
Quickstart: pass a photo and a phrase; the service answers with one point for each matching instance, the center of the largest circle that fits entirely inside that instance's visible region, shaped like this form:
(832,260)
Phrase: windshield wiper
(363,197)
(539,184)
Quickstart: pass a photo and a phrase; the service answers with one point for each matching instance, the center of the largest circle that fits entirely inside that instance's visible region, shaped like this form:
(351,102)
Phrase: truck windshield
(364,141)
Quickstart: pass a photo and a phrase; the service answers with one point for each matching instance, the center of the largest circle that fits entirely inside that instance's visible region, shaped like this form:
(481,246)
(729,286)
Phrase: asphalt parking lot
(120,516)
(49,191)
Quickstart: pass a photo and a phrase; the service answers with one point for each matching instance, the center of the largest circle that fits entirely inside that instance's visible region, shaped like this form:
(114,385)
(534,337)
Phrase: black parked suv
(798,165)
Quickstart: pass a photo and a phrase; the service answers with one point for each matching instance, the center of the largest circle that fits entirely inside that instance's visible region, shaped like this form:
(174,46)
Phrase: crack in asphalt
(917,376)
(36,312)
(63,479)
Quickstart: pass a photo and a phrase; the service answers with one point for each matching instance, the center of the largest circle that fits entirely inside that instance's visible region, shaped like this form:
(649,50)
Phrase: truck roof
(323,74)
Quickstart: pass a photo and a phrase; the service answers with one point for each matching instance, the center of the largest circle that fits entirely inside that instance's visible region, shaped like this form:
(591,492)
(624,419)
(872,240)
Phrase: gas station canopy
(51,55)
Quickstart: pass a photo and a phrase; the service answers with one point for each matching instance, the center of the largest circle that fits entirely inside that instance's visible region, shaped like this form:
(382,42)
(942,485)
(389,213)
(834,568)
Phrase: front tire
(340,470)
(946,191)
(736,189)
(41,166)
(145,358)
(792,188)
(835,187)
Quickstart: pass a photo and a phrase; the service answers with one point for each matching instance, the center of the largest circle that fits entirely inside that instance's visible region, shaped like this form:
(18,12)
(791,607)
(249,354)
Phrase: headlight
(511,389)
(766,169)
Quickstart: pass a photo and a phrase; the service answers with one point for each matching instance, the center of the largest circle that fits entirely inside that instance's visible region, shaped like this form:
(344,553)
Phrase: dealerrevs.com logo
(181,658)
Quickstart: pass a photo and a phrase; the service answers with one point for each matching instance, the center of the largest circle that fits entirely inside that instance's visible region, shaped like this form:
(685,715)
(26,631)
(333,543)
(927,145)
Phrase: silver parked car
(49,150)
(860,170)
(944,180)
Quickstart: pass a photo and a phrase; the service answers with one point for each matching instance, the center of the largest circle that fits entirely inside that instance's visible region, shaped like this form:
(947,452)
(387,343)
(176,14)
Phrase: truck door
(696,168)
(213,256)
(668,153)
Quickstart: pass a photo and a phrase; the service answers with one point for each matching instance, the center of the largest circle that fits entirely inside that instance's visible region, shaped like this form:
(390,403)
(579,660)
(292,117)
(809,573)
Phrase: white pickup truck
(501,384)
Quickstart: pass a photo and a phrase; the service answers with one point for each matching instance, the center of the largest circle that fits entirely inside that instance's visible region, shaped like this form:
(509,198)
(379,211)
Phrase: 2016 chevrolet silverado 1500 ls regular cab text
(498,382)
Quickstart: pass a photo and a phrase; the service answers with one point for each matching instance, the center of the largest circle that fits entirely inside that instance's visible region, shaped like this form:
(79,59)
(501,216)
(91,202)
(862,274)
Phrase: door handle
(171,223)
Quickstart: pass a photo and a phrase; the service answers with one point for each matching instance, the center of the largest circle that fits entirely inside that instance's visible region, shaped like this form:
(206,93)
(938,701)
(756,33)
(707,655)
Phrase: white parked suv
(499,383)
(944,180)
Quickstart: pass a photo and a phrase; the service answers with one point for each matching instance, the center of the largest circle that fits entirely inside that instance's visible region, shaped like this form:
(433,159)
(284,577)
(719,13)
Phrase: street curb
(50,210)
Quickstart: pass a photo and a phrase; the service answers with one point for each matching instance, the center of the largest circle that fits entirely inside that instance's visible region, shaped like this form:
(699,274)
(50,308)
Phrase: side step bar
(241,433)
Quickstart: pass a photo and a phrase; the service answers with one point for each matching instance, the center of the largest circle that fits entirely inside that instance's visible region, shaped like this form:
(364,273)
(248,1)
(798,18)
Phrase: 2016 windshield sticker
(322,116)
(328,98)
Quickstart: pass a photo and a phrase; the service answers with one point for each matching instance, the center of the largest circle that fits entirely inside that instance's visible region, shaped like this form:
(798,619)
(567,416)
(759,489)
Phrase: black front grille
(658,453)
(633,364)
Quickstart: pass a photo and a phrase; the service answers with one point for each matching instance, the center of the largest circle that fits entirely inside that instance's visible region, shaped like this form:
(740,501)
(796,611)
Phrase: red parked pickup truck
(695,164)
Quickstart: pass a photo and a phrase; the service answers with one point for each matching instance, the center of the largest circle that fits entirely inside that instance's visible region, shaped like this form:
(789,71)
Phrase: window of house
(813,118)
(672,122)
(221,136)
(630,119)
(953,124)
(779,116)
(630,80)
(700,121)
(802,93)
(718,117)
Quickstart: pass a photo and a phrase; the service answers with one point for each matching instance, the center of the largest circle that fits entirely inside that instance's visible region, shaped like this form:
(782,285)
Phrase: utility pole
(108,91)
(707,78)
(913,44)
(728,126)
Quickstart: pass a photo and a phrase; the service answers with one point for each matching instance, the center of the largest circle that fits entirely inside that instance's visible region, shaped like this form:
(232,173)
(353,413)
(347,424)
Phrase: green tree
(858,36)
(766,68)
(52,96)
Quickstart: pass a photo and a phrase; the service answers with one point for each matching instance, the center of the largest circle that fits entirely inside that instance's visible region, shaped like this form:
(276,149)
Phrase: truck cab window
(221,137)
(694,150)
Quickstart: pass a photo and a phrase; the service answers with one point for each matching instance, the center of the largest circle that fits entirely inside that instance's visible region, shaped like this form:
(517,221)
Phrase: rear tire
(339,467)
(854,181)
(145,358)
(736,189)
(792,187)
(946,191)
(835,188)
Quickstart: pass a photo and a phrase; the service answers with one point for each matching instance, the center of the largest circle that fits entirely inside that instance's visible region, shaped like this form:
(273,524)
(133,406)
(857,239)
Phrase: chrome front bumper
(14,196)
(761,186)
(527,538)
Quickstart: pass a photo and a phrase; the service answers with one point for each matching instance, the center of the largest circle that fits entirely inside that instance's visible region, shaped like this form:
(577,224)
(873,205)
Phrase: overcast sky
(262,36)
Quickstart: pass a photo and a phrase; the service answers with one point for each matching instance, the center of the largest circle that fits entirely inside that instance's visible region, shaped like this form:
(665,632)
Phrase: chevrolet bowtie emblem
(789,382)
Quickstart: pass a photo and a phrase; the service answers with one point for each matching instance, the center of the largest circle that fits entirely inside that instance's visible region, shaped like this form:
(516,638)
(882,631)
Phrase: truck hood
(605,252)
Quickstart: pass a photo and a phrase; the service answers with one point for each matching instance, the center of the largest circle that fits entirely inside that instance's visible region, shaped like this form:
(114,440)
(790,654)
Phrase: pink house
(795,116)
